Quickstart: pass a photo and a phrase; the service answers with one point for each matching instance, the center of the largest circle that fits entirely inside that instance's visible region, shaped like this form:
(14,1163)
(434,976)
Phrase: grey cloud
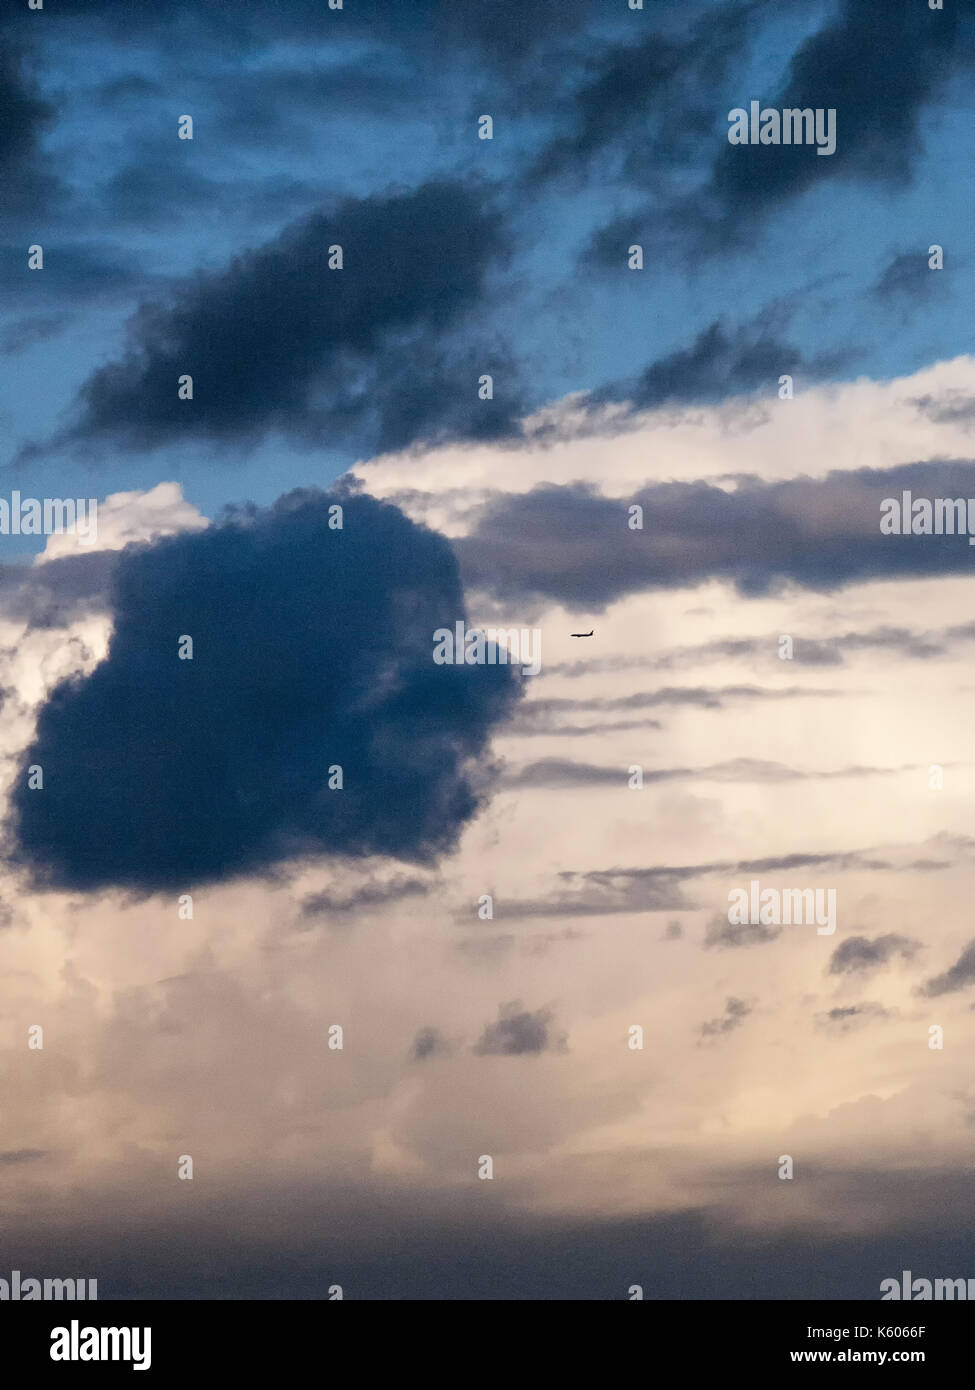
(721,933)
(279,342)
(562,772)
(735,1013)
(571,544)
(368,895)
(858,954)
(429,1042)
(959,976)
(518,1032)
(844,1018)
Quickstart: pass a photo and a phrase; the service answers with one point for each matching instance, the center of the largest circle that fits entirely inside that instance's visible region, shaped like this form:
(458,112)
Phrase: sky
(428,967)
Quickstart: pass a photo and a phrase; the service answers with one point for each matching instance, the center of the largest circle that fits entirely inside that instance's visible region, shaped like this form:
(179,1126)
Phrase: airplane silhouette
(582,634)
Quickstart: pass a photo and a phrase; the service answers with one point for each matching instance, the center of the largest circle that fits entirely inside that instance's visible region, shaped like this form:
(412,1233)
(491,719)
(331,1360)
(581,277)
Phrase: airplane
(582,634)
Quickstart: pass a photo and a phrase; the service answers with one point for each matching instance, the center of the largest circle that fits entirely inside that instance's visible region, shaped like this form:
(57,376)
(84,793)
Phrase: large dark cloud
(878,65)
(573,545)
(312,647)
(280,342)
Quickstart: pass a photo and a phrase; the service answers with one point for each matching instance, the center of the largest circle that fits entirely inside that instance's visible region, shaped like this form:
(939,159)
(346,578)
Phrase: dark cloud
(28,332)
(603,893)
(722,363)
(908,274)
(645,106)
(160,188)
(674,931)
(721,933)
(562,772)
(806,651)
(659,888)
(735,1013)
(366,896)
(858,954)
(14,1156)
(877,65)
(59,591)
(75,272)
(280,342)
(540,716)
(953,407)
(959,976)
(429,1042)
(845,1018)
(818,533)
(312,647)
(23,117)
(502,32)
(517,1032)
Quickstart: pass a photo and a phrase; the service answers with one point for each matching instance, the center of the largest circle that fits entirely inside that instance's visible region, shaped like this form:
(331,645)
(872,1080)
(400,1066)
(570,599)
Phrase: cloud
(429,1043)
(655,91)
(907,274)
(312,649)
(858,954)
(722,933)
(23,117)
(518,1032)
(540,715)
(818,533)
(951,407)
(279,341)
(13,1156)
(57,593)
(721,363)
(735,1013)
(877,66)
(368,895)
(563,772)
(845,1018)
(959,976)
